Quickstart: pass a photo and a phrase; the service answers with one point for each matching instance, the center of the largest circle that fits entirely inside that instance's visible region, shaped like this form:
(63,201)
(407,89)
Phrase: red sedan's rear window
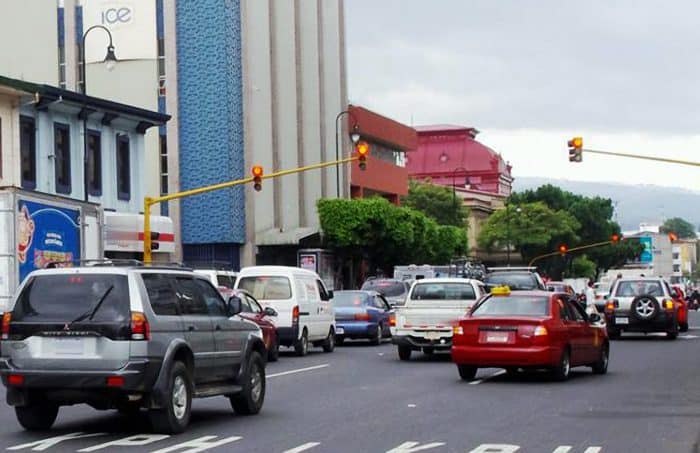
(513,306)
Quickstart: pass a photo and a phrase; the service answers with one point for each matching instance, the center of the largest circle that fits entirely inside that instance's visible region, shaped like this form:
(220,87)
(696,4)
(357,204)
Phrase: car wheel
(36,417)
(301,347)
(683,327)
(274,353)
(563,368)
(601,366)
(428,351)
(404,353)
(175,416)
(250,400)
(645,307)
(339,341)
(329,344)
(671,335)
(466,372)
(378,336)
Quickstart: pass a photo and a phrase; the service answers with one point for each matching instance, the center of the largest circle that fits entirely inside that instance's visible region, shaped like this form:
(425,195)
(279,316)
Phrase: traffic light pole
(148,202)
(582,247)
(639,156)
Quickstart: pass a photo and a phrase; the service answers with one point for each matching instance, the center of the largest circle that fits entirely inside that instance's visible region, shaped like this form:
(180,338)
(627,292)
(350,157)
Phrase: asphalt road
(362,398)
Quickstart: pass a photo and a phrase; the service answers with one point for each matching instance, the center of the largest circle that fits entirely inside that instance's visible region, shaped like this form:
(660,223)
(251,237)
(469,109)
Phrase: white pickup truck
(433,306)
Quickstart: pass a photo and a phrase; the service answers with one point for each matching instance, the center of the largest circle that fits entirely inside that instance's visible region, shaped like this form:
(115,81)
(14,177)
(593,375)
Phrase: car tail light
(6,318)
(140,329)
(392,320)
(115,381)
(362,316)
(669,304)
(540,331)
(611,305)
(295,315)
(457,330)
(15,379)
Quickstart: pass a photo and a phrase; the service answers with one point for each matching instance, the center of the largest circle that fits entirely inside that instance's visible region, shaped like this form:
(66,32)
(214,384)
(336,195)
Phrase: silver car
(127,338)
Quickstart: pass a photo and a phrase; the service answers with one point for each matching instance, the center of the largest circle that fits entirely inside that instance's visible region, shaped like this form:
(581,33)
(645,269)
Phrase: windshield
(636,288)
(443,291)
(513,306)
(350,299)
(65,297)
(388,288)
(267,287)
(523,281)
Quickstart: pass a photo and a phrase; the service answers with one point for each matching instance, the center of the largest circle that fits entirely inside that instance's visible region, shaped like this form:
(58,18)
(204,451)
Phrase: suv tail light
(362,316)
(6,318)
(669,304)
(392,320)
(295,315)
(140,328)
(611,305)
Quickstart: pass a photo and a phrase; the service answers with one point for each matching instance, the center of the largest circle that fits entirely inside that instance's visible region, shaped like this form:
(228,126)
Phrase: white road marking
(45,444)
(688,337)
(411,405)
(496,448)
(137,440)
(300,370)
(486,378)
(410,447)
(300,448)
(567,449)
(200,444)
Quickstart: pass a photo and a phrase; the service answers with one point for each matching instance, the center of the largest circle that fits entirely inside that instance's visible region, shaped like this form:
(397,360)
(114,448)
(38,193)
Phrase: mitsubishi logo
(66,327)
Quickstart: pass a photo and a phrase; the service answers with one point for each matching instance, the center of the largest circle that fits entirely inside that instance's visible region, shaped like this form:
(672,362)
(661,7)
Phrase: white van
(304,306)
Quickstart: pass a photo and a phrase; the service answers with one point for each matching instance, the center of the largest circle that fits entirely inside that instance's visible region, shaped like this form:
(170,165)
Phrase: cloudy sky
(531,74)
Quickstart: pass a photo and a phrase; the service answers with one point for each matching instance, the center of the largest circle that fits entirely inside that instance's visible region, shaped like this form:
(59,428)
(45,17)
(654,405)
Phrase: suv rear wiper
(90,313)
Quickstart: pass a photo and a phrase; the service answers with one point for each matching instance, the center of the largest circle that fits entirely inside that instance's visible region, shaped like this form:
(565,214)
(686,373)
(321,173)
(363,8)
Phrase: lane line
(300,370)
(486,378)
(304,447)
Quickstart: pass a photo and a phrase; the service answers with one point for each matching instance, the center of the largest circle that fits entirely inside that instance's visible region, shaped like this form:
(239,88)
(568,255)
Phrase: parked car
(432,307)
(641,304)
(218,277)
(531,330)
(127,338)
(263,317)
(393,290)
(679,297)
(362,315)
(304,306)
(516,278)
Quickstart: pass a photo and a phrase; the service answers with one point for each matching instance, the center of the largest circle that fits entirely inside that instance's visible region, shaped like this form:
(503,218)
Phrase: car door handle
(191,328)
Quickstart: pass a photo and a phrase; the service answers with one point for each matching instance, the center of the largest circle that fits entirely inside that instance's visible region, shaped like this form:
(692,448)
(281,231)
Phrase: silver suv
(641,304)
(127,338)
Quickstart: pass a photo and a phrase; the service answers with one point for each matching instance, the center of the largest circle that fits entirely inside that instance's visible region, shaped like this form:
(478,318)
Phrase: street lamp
(454,191)
(110,61)
(354,136)
(517,210)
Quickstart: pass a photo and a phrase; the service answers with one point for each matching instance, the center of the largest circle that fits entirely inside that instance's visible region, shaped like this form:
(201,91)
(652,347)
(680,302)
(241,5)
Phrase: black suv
(127,338)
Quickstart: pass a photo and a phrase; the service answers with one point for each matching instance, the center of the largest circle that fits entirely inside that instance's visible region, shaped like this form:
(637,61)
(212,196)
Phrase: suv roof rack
(512,268)
(211,265)
(95,262)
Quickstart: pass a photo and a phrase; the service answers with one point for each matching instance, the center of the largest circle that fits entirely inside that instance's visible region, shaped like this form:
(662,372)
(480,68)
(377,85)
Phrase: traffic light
(615,238)
(155,236)
(576,149)
(362,149)
(672,236)
(257,177)
(563,249)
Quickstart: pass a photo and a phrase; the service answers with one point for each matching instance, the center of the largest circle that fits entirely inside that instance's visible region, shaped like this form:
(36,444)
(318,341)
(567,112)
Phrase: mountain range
(634,204)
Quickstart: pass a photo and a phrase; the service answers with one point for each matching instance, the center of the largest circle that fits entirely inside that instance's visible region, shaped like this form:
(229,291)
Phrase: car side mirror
(595,317)
(330,294)
(269,311)
(234,305)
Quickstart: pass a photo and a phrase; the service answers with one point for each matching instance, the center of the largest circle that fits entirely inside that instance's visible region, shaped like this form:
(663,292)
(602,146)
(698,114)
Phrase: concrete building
(685,259)
(263,86)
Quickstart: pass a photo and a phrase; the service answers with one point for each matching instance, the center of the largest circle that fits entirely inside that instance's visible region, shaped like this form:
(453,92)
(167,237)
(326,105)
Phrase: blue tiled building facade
(210,104)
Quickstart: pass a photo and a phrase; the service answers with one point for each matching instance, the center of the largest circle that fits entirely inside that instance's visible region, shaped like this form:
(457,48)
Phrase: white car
(304,306)
(432,307)
(220,278)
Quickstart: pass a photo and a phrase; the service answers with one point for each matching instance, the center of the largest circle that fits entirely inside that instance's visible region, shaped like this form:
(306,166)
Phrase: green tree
(581,266)
(437,202)
(681,227)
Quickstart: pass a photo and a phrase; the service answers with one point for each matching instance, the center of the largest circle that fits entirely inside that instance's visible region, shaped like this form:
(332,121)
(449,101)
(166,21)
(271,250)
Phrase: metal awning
(276,236)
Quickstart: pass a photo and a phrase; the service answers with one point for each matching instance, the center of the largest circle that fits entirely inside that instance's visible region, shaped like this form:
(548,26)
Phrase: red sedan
(529,329)
(252,311)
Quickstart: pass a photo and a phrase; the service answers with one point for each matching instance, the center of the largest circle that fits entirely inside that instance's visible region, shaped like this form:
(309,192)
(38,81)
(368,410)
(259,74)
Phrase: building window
(161,67)
(94,163)
(61,154)
(163,165)
(61,46)
(676,268)
(123,168)
(0,148)
(27,145)
(676,255)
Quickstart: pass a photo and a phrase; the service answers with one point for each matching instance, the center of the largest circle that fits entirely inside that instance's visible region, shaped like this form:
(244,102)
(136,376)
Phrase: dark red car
(252,311)
(529,329)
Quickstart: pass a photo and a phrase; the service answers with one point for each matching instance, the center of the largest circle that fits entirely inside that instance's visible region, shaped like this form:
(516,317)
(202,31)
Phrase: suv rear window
(64,297)
(387,288)
(513,306)
(443,291)
(516,281)
(267,288)
(636,288)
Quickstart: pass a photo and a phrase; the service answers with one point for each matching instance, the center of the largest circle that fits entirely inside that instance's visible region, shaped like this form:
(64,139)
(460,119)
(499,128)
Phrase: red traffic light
(257,172)
(563,249)
(615,238)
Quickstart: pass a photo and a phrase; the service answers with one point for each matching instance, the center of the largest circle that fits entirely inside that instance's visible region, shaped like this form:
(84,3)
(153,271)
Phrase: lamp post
(110,61)
(518,210)
(354,136)
(454,191)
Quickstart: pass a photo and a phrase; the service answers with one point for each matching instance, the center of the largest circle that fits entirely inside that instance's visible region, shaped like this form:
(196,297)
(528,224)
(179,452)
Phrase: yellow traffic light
(575,149)
(362,149)
(257,172)
(563,249)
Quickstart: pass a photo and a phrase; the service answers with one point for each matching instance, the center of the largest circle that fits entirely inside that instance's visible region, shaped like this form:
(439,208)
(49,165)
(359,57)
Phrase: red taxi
(529,329)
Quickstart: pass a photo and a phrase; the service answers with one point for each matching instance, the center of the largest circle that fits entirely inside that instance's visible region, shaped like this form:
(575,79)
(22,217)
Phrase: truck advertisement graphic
(45,234)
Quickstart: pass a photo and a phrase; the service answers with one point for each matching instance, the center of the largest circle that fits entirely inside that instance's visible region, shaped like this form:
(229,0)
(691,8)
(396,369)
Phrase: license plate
(433,335)
(339,330)
(622,321)
(497,337)
(68,346)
